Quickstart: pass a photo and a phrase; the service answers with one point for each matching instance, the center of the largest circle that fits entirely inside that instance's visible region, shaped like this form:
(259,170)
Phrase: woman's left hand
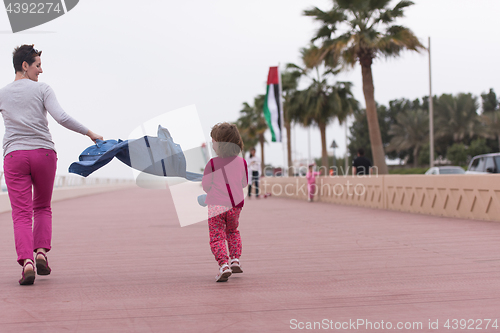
(93,136)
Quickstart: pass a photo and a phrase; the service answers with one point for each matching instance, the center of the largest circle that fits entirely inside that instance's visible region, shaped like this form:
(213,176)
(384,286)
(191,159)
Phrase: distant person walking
(311,182)
(361,165)
(224,178)
(30,158)
(254,168)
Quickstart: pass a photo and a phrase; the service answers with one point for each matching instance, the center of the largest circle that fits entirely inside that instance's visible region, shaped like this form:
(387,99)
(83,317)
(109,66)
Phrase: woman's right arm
(56,111)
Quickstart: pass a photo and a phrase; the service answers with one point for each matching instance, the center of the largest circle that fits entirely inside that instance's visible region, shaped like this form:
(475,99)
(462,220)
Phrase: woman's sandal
(236,266)
(28,276)
(42,265)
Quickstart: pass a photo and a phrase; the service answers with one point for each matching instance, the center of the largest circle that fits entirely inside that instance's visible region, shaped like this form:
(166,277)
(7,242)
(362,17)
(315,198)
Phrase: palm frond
(397,39)
(374,5)
(324,32)
(311,56)
(403,4)
(363,39)
(457,117)
(411,130)
(317,14)
(386,16)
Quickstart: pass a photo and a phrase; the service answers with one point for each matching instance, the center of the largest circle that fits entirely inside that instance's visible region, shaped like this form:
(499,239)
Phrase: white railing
(69,180)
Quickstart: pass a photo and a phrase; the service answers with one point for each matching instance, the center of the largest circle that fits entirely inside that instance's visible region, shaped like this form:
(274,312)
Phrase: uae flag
(272,104)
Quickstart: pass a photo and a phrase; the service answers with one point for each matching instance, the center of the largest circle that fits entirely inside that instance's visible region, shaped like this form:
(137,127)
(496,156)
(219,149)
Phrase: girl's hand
(94,136)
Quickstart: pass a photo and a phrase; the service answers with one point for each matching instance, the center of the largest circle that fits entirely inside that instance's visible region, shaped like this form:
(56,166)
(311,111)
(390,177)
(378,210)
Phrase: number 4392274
(471,324)
(33,8)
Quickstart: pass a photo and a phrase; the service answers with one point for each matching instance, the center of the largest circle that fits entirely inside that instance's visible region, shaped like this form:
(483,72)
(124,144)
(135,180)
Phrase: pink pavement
(122,263)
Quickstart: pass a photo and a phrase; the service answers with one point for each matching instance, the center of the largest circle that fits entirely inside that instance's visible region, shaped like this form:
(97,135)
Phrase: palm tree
(492,121)
(321,102)
(246,127)
(411,131)
(325,103)
(457,118)
(369,33)
(491,115)
(252,126)
(261,125)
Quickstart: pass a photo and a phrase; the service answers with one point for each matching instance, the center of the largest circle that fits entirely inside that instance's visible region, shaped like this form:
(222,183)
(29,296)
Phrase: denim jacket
(159,156)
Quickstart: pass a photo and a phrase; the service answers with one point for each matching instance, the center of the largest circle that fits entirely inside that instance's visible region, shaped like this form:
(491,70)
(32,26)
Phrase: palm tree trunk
(262,167)
(415,157)
(324,155)
(289,146)
(371,115)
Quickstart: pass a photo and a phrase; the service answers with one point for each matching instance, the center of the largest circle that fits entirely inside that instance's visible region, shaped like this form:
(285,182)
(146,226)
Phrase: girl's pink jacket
(311,177)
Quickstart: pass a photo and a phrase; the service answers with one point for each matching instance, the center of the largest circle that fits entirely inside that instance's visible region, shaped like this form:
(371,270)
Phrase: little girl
(311,181)
(224,178)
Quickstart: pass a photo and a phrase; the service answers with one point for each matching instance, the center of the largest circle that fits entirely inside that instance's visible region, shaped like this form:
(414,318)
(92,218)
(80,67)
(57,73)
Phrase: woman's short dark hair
(228,139)
(24,53)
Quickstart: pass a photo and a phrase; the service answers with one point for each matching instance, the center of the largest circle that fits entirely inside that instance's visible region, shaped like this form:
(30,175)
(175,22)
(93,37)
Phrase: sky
(115,65)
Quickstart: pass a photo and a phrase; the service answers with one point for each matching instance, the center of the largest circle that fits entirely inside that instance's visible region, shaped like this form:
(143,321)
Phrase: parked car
(484,164)
(272,172)
(445,170)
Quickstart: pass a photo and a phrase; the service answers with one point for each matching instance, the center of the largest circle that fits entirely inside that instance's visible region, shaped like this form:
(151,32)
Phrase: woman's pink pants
(24,170)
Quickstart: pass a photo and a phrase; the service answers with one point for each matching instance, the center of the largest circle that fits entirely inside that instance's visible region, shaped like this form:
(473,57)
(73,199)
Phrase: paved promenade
(122,263)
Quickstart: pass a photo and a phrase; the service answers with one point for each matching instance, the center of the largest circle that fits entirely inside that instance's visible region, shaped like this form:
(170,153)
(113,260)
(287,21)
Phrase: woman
(30,158)
(254,173)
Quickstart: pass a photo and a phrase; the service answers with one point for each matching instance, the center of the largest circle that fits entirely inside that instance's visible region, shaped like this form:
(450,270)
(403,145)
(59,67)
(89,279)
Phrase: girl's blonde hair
(228,138)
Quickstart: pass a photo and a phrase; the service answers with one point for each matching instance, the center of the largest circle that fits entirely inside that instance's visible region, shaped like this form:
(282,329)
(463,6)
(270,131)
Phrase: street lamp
(431,113)
(334,145)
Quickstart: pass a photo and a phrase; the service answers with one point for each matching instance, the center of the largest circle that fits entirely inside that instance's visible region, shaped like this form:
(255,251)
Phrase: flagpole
(346,163)
(309,159)
(283,173)
(294,152)
(431,114)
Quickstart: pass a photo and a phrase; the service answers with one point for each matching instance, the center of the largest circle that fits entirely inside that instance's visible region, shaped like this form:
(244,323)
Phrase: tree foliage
(321,102)
(410,132)
(457,154)
(457,117)
(358,31)
(491,116)
(252,125)
(456,121)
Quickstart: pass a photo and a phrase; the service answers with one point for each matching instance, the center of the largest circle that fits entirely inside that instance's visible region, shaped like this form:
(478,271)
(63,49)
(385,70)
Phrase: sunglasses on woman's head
(28,56)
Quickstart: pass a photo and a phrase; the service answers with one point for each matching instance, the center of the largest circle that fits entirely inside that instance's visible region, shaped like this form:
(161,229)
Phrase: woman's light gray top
(24,105)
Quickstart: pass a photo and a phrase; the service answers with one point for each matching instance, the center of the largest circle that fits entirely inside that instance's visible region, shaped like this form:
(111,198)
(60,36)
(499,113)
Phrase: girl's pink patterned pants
(223,226)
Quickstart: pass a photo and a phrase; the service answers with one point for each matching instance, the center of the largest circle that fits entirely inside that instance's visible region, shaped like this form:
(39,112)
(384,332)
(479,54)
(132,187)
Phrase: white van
(484,164)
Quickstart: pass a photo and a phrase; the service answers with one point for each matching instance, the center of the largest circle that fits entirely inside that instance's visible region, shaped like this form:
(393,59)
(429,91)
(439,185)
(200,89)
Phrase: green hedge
(408,171)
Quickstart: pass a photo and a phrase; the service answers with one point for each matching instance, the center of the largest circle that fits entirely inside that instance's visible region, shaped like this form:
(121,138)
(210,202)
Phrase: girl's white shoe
(224,273)
(236,266)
